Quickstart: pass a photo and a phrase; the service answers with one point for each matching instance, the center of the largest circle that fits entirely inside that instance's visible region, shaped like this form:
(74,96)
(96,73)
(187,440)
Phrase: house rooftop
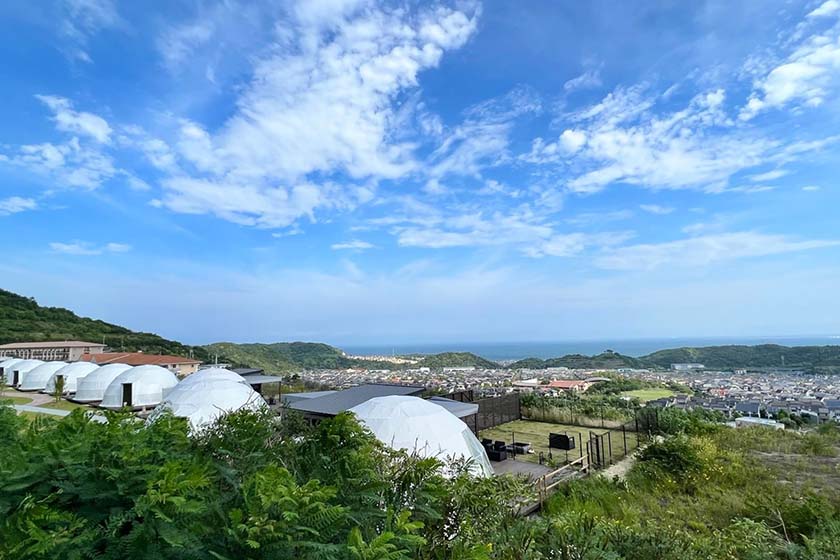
(52,344)
(136,359)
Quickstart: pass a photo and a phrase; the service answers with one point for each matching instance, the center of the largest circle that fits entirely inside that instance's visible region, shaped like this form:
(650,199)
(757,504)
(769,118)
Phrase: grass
(645,395)
(15,399)
(536,433)
(62,405)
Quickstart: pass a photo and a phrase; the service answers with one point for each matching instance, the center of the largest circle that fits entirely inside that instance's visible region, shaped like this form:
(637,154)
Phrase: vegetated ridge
(457,359)
(23,320)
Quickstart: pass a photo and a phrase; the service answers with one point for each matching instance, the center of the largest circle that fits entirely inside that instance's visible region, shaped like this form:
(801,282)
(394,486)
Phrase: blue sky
(356,172)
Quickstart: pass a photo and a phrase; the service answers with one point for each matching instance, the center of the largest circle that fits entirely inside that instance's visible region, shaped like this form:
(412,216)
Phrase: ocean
(502,351)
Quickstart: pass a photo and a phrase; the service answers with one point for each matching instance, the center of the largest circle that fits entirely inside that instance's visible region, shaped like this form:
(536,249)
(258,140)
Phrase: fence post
(580,443)
(624,436)
(609,443)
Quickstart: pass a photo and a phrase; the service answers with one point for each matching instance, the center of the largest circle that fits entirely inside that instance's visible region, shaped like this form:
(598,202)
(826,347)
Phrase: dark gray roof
(748,407)
(289,398)
(335,403)
(247,370)
(459,409)
(260,379)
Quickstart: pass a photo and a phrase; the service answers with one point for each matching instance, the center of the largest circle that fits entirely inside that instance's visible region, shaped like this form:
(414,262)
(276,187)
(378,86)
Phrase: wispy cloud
(807,76)
(589,79)
(321,102)
(15,204)
(77,122)
(81,248)
(656,209)
(704,250)
(81,19)
(355,245)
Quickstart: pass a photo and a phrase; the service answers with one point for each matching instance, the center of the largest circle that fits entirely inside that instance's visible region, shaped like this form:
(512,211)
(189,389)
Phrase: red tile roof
(136,359)
(566,383)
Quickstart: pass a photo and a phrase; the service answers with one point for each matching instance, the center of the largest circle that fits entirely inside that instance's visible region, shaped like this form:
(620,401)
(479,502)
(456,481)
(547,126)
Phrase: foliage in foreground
(252,487)
(248,488)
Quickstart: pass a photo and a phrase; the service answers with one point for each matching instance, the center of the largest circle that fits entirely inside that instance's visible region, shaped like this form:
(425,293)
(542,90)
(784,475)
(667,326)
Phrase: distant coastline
(511,351)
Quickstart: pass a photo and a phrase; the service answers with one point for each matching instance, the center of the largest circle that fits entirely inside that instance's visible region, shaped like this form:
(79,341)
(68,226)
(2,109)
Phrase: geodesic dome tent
(213,373)
(36,378)
(71,374)
(91,388)
(139,387)
(203,401)
(417,425)
(6,365)
(16,373)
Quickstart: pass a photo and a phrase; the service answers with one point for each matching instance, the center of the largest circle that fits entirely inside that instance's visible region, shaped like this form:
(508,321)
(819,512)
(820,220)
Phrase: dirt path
(621,468)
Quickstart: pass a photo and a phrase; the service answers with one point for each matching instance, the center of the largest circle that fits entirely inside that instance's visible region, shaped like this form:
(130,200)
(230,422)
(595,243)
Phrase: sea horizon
(505,351)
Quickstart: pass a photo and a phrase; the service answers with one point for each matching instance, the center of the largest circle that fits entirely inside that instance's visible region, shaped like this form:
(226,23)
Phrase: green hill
(23,320)
(282,356)
(456,359)
(605,360)
(763,355)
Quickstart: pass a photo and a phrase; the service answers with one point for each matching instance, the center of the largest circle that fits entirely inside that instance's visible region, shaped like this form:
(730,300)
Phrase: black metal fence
(496,410)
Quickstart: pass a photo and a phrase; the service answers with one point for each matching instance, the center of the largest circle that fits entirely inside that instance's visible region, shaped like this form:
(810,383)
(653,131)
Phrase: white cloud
(355,245)
(81,19)
(15,204)
(769,175)
(811,188)
(177,44)
(589,79)
(321,102)
(81,248)
(656,209)
(827,8)
(806,77)
(70,164)
(482,139)
(76,122)
(704,250)
(569,143)
(524,231)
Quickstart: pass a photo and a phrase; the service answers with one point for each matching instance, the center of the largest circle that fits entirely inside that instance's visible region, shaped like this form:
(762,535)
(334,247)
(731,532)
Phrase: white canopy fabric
(215,374)
(6,366)
(22,368)
(36,378)
(149,384)
(71,373)
(91,388)
(420,426)
(203,401)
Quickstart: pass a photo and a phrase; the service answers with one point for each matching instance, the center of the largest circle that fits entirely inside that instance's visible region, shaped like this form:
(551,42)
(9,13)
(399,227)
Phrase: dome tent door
(126,394)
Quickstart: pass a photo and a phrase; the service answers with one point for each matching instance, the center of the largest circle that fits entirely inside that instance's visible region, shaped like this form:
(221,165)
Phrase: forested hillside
(22,319)
(456,359)
(764,355)
(283,356)
(605,360)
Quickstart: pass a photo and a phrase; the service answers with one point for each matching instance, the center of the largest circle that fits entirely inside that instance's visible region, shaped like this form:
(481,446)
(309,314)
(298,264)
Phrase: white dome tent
(18,371)
(417,425)
(91,388)
(6,365)
(203,401)
(139,387)
(36,378)
(71,373)
(213,373)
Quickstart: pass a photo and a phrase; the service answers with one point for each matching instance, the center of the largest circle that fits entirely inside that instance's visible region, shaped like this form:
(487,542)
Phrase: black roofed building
(329,403)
